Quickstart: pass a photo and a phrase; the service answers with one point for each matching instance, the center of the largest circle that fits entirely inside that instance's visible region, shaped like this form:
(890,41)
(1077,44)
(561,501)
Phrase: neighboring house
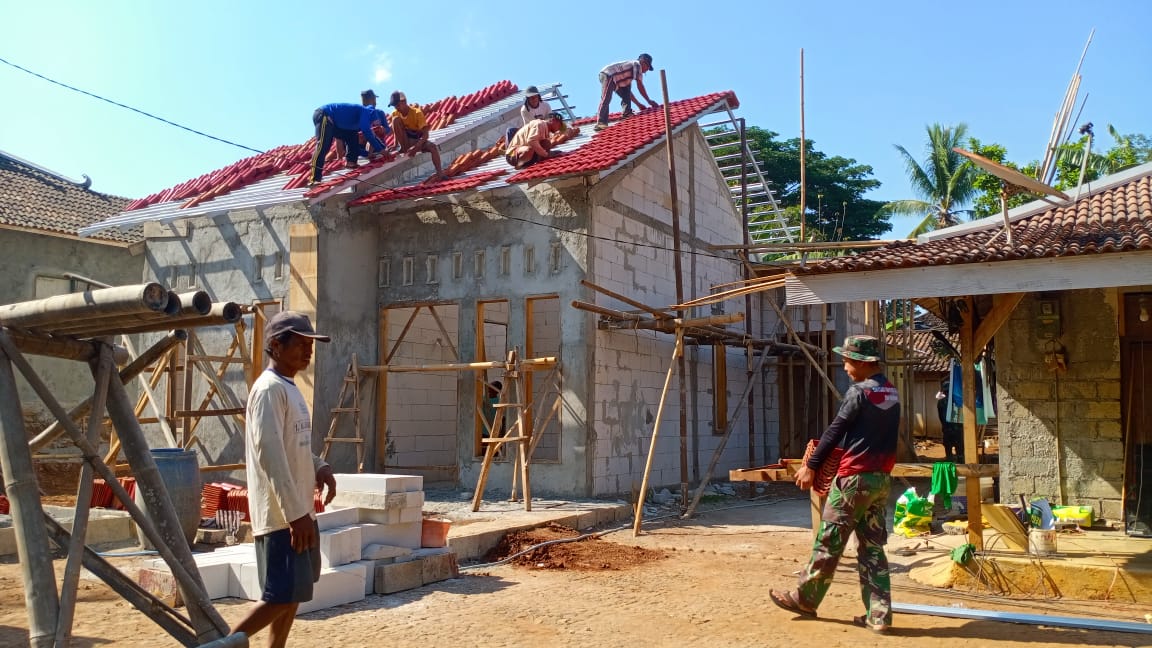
(1074,356)
(41,254)
(402,271)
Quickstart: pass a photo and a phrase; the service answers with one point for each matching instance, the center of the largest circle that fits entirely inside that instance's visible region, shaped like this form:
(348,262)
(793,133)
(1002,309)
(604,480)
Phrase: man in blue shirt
(345,122)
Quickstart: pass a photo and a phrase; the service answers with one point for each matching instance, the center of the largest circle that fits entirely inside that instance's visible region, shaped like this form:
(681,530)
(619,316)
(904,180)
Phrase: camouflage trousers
(857,503)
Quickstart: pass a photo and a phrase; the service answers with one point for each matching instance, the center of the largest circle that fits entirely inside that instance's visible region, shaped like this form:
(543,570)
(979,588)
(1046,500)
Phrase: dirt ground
(701,582)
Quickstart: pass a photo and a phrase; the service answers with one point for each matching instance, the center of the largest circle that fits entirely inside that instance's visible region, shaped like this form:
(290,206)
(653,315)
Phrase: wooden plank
(786,471)
(1002,307)
(230,411)
(1003,520)
(968,353)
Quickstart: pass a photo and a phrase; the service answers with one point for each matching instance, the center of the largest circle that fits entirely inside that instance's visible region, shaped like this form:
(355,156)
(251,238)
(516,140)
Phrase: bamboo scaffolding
(127,300)
(166,536)
(40,597)
(64,348)
(184,305)
(134,368)
(677,350)
(221,313)
(71,578)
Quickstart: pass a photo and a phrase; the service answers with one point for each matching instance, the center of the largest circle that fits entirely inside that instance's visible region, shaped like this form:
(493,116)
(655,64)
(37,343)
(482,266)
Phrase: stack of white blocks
(374,520)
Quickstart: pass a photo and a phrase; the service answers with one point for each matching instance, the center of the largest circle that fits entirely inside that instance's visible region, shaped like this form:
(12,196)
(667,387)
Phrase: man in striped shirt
(618,78)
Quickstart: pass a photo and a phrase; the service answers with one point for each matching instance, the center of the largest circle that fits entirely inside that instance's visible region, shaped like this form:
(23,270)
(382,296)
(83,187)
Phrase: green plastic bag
(913,515)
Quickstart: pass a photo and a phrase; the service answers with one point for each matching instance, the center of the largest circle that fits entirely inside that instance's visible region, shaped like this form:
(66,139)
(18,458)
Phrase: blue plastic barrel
(180,472)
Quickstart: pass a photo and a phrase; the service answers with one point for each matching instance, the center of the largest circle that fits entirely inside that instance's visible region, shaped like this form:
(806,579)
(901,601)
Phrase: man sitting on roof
(531,143)
(412,131)
(618,78)
(345,122)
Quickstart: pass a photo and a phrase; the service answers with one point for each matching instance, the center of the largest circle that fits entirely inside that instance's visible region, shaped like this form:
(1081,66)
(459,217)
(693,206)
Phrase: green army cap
(864,348)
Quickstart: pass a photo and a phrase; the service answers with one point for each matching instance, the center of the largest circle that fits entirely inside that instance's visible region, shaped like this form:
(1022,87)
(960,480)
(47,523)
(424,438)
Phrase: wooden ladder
(351,384)
(512,395)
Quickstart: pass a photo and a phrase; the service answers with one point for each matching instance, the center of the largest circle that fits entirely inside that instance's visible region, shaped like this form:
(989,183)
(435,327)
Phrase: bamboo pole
(205,618)
(68,584)
(528,364)
(803,165)
(183,305)
(802,346)
(174,623)
(85,305)
(222,313)
(134,368)
(678,270)
(704,479)
(627,300)
(40,598)
(64,348)
(676,351)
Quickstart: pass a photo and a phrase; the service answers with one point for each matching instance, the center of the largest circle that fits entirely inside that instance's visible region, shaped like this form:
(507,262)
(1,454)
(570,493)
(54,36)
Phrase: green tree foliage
(836,209)
(942,182)
(1126,151)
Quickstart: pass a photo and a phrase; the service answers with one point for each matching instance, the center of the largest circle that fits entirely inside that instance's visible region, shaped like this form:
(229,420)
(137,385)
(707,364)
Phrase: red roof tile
(604,150)
(1117,219)
(614,144)
(295,159)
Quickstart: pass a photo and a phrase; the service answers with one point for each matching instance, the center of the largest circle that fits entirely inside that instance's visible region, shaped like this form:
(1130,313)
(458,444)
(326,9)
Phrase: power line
(127,107)
(369,183)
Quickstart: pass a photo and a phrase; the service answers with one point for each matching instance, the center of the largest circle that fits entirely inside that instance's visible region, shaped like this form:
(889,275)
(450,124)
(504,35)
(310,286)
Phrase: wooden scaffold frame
(79,327)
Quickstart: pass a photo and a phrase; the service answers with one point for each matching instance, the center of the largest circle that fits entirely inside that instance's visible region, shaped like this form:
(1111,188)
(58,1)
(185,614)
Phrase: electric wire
(127,107)
(729,257)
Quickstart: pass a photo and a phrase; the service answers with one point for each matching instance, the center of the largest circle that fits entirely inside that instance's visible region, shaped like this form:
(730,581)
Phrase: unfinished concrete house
(41,254)
(1064,307)
(426,287)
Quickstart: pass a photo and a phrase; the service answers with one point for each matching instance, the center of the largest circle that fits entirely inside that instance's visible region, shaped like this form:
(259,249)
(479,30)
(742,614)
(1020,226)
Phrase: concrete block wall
(546,341)
(1060,434)
(632,256)
(422,406)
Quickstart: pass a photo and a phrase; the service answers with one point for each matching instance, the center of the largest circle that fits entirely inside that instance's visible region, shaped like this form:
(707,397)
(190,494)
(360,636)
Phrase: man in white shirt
(282,474)
(618,78)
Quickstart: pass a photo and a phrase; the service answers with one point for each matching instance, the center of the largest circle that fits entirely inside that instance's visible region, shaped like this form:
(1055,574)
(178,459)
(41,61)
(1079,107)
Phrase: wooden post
(380,438)
(803,166)
(27,514)
(676,351)
(968,354)
(678,270)
(68,585)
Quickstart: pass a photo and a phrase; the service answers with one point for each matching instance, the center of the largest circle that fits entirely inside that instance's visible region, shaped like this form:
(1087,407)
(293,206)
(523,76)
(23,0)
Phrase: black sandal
(786,601)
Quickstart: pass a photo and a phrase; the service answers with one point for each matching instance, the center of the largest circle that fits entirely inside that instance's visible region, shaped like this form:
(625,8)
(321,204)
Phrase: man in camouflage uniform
(866,428)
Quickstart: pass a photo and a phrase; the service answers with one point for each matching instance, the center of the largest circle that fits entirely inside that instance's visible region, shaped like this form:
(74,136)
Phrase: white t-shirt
(528,113)
(280,466)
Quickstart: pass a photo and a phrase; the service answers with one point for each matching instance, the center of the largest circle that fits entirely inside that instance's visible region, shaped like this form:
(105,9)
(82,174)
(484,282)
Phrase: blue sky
(252,72)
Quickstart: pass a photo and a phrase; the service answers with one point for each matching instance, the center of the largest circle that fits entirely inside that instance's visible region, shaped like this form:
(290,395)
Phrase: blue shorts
(286,576)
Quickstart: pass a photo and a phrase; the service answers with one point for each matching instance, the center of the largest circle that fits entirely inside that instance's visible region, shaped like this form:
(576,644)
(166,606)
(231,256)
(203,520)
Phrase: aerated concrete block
(335,518)
(340,546)
(247,582)
(383,551)
(398,535)
(337,586)
(372,483)
(411,514)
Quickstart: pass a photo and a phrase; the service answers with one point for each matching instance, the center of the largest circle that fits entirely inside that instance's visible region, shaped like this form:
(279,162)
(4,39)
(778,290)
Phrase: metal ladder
(549,93)
(766,221)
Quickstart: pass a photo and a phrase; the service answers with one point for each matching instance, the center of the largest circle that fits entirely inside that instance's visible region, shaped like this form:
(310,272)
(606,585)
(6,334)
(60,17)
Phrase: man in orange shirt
(412,130)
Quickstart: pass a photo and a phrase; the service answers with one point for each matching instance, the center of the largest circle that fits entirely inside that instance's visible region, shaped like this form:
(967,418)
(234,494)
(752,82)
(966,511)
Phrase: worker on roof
(532,142)
(412,131)
(618,78)
(345,122)
(534,106)
(368,98)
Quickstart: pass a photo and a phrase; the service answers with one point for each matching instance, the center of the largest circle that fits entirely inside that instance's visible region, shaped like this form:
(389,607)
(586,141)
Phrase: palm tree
(943,181)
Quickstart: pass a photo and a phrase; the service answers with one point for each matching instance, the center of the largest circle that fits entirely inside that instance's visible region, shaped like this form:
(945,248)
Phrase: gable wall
(632,256)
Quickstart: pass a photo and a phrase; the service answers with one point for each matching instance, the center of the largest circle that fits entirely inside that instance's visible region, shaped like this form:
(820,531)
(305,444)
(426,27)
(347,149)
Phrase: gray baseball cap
(294,322)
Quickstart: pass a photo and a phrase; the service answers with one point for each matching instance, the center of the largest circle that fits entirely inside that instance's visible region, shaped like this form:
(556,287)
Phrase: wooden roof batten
(80,327)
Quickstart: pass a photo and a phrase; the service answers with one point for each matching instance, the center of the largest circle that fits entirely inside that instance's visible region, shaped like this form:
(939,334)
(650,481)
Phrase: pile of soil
(587,554)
